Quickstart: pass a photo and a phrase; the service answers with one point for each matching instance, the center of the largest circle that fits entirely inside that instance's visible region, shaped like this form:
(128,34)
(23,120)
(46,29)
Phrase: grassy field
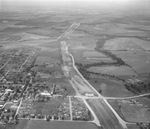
(44,32)
(127,44)
(133,126)
(108,28)
(131,111)
(94,54)
(110,88)
(87,41)
(60,125)
(122,44)
(138,60)
(113,70)
(78,34)
(51,107)
(86,56)
(123,33)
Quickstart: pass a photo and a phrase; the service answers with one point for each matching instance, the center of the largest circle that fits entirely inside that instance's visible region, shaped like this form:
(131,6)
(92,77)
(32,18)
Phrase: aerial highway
(104,115)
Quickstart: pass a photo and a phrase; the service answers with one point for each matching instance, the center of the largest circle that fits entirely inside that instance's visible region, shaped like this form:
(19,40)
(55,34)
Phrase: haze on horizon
(138,5)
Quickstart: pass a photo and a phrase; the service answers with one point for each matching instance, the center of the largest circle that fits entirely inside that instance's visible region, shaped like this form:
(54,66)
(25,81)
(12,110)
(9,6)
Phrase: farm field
(28,36)
(127,44)
(86,56)
(133,126)
(131,110)
(133,26)
(87,41)
(113,70)
(107,86)
(60,125)
(94,54)
(138,60)
(108,28)
(44,32)
(122,44)
(40,87)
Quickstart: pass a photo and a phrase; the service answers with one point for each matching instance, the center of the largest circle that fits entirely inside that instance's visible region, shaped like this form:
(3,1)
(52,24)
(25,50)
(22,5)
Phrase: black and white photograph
(74,64)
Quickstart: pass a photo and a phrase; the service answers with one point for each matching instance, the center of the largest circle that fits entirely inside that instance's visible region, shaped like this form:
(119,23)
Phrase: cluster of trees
(118,61)
(143,126)
(85,117)
(100,43)
(139,87)
(8,116)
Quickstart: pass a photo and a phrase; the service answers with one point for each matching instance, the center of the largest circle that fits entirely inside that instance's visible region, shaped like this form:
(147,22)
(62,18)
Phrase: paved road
(70,108)
(104,114)
(100,108)
(132,97)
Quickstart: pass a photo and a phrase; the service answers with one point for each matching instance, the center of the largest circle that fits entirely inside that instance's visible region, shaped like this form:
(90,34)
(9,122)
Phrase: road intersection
(104,114)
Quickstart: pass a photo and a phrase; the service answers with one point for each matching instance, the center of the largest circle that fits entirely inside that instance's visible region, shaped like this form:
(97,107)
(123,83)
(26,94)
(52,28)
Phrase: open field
(85,56)
(39,124)
(122,44)
(138,60)
(87,41)
(44,44)
(28,36)
(33,85)
(131,110)
(78,34)
(47,59)
(127,44)
(110,88)
(113,70)
(60,125)
(44,32)
(133,126)
(108,29)
(56,107)
(94,54)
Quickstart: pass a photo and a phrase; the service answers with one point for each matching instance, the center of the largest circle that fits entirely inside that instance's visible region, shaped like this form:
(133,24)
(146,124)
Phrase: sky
(112,4)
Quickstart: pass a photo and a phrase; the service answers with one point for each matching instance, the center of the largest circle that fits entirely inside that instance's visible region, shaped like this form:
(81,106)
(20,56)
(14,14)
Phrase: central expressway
(104,115)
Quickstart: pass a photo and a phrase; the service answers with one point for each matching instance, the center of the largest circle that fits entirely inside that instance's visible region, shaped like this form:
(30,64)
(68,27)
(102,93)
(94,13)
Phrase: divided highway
(104,115)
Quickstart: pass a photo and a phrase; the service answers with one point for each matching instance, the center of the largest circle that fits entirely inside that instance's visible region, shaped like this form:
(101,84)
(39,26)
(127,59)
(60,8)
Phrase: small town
(28,92)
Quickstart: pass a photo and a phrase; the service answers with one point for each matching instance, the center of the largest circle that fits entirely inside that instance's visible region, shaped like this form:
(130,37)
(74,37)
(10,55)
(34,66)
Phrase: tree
(95,81)
(100,91)
(119,106)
